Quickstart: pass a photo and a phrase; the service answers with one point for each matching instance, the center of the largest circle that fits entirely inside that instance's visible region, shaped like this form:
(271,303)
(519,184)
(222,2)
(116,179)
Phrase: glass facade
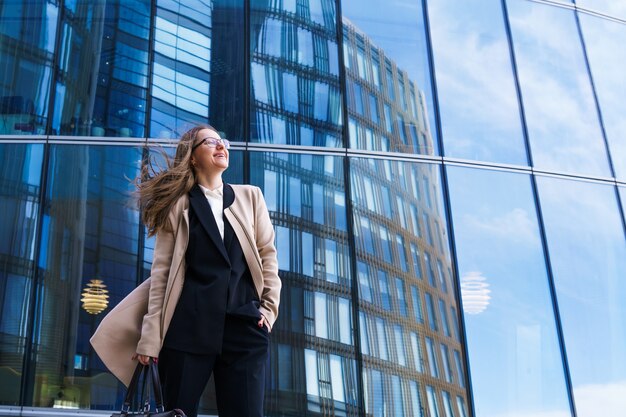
(446,181)
(480,115)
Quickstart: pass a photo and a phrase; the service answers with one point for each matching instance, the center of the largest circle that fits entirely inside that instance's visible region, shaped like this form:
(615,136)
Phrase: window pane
(391,44)
(198,67)
(20,173)
(294,86)
(432,358)
(480,115)
(561,115)
(607,57)
(102,79)
(315,303)
(89,241)
(27,43)
(588,255)
(506,296)
(432,401)
(391,336)
(447,404)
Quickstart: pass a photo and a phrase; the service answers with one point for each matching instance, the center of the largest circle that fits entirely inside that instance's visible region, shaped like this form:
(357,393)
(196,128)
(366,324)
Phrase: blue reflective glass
(198,67)
(433,407)
(314,266)
(430,308)
(506,295)
(295,92)
(604,40)
(392,332)
(416,352)
(387,58)
(608,7)
(401,296)
(89,242)
(20,173)
(391,395)
(447,404)
(622,193)
(375,403)
(27,42)
(444,317)
(418,312)
(480,115)
(561,115)
(587,247)
(102,81)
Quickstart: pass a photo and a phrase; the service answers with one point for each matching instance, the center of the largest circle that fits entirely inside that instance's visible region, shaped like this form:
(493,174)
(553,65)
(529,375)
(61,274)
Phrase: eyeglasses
(212,143)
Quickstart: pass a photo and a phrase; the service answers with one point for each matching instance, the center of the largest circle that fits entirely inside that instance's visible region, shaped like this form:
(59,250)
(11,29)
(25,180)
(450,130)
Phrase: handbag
(151,372)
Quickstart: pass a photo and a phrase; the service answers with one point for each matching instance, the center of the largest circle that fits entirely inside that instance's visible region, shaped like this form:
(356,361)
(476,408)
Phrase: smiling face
(209,160)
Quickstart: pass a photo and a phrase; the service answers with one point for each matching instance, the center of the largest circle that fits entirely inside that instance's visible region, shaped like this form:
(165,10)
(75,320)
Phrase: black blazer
(217,281)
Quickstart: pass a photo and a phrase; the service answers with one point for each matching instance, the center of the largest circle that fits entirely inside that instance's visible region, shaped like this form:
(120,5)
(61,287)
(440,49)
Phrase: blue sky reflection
(588,255)
(480,116)
(561,116)
(511,329)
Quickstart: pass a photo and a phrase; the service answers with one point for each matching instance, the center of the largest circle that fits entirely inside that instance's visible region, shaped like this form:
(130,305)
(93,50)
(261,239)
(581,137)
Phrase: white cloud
(514,226)
(478,102)
(561,115)
(601,400)
(596,400)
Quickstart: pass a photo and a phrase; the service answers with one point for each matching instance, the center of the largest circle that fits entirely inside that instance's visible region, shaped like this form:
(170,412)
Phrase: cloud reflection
(562,119)
(601,400)
(479,109)
(514,226)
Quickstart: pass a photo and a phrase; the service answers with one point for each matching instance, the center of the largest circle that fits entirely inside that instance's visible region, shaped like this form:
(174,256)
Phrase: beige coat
(140,321)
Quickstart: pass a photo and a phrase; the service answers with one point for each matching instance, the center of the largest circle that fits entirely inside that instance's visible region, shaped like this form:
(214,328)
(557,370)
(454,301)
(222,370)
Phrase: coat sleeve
(150,342)
(264,235)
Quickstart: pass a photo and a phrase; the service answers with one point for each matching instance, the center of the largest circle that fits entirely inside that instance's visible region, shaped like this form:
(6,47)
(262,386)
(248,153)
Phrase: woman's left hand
(262,322)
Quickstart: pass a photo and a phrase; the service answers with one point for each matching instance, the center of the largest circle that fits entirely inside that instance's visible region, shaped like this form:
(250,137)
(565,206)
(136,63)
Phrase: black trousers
(239,372)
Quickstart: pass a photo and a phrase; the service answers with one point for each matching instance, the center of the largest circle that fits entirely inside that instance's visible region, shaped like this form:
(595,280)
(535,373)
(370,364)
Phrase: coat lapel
(203,210)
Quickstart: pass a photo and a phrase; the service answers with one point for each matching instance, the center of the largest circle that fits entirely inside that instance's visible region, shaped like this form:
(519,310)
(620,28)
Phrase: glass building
(447,182)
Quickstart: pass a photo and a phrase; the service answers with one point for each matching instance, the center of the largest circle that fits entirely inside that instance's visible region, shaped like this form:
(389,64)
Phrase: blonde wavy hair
(158,190)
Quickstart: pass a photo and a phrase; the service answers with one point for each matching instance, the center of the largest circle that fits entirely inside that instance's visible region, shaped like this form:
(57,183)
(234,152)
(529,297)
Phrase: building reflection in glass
(295,92)
(388,82)
(198,67)
(313,368)
(90,230)
(27,44)
(20,186)
(101,84)
(408,316)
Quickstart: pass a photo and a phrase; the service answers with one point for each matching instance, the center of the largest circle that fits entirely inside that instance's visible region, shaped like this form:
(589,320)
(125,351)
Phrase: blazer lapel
(229,233)
(203,210)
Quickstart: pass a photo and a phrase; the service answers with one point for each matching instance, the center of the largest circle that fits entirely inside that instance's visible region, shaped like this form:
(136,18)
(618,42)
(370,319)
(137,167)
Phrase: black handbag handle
(156,387)
(151,371)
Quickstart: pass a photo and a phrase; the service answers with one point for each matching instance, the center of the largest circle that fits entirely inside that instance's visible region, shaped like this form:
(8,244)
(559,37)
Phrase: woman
(214,288)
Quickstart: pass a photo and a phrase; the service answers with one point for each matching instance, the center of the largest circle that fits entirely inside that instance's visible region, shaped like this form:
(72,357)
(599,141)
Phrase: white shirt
(216,201)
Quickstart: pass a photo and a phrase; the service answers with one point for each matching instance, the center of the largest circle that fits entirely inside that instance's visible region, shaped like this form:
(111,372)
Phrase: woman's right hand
(143,359)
